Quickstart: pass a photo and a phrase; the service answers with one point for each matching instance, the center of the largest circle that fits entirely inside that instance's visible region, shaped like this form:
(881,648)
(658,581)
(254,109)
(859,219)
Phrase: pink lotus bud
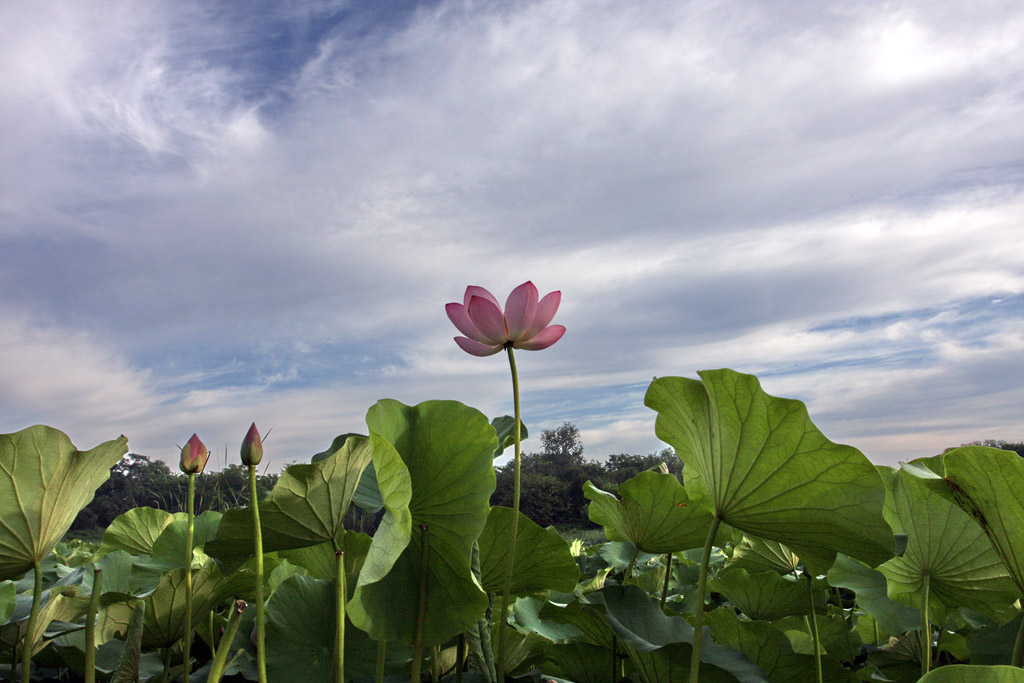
(193,456)
(522,325)
(252,447)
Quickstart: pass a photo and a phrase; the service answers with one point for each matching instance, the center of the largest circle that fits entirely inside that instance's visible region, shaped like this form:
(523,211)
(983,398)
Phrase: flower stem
(668,575)
(220,656)
(926,629)
(814,623)
(33,615)
(261,637)
(90,626)
(382,654)
(339,642)
(506,591)
(187,647)
(1018,647)
(702,584)
(421,613)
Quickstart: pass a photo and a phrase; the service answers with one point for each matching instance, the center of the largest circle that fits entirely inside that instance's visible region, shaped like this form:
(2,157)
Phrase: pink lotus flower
(193,456)
(523,324)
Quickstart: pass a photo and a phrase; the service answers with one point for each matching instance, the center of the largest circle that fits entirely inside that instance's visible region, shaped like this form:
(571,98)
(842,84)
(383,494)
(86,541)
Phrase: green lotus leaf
(660,646)
(588,620)
(872,591)
(963,673)
(758,554)
(654,514)
(44,483)
(306,507)
(767,646)
(542,559)
(136,531)
(946,545)
(581,662)
(760,464)
(504,427)
(170,545)
(764,596)
(301,632)
(834,634)
(526,612)
(988,483)
(8,598)
(446,449)
(59,604)
(165,622)
(992,644)
(320,561)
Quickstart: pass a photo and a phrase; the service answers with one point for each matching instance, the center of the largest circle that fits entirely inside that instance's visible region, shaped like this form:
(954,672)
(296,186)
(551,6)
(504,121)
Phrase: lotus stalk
(382,655)
(523,324)
(90,626)
(252,455)
(339,631)
(220,657)
(193,460)
(702,584)
(1017,659)
(33,616)
(813,624)
(668,575)
(926,628)
(421,611)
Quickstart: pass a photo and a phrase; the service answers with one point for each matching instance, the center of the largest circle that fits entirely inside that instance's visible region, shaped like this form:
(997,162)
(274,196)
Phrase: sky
(214,213)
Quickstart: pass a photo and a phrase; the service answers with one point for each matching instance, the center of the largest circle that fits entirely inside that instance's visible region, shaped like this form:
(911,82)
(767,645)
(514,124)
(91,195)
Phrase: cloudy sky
(219,212)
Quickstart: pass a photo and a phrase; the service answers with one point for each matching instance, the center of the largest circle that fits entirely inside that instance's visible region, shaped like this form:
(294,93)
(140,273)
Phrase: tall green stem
(814,623)
(27,644)
(261,634)
(339,640)
(188,574)
(382,655)
(506,591)
(1018,647)
(926,629)
(668,575)
(90,626)
(702,584)
(220,655)
(421,613)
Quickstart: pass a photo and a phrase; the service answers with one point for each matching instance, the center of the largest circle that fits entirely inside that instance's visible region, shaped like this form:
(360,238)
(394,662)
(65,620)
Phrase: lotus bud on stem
(193,460)
(252,454)
(220,657)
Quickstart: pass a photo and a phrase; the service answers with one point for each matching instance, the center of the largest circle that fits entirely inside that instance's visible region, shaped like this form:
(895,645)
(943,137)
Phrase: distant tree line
(139,481)
(1015,446)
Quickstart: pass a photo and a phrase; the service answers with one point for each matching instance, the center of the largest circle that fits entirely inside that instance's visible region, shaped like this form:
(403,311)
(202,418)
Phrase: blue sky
(214,213)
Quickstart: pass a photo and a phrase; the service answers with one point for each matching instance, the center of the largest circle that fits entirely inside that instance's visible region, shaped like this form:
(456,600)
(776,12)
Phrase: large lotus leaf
(504,427)
(170,545)
(654,514)
(948,547)
(834,634)
(766,595)
(964,673)
(301,633)
(542,559)
(660,646)
(526,613)
(307,506)
(60,604)
(136,531)
(446,448)
(582,662)
(320,560)
(988,483)
(588,620)
(165,607)
(758,554)
(766,469)
(8,598)
(767,646)
(994,645)
(871,588)
(44,483)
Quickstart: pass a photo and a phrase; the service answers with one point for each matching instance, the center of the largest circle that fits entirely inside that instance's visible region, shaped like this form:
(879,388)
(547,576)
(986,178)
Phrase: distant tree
(623,466)
(561,448)
(1015,446)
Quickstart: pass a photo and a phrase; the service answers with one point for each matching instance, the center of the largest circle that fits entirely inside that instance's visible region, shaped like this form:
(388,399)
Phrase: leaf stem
(506,591)
(460,656)
(814,623)
(702,583)
(261,634)
(33,615)
(668,575)
(187,645)
(382,654)
(90,626)
(926,629)
(220,656)
(339,640)
(421,612)
(1018,647)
